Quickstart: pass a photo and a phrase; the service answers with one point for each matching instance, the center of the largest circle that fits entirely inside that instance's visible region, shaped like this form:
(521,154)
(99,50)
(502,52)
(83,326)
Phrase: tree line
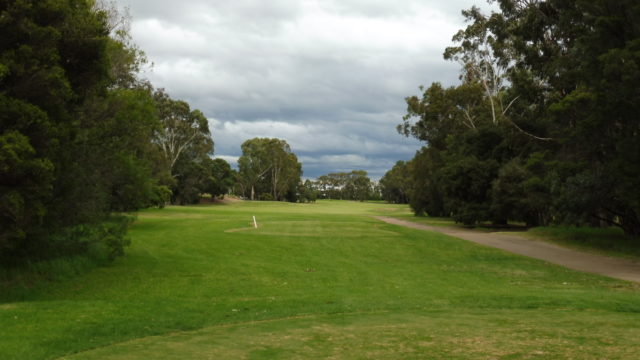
(83,138)
(355,185)
(269,170)
(544,125)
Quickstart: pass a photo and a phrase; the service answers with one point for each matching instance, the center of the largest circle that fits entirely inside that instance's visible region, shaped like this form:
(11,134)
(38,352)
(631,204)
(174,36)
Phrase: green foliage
(594,104)
(268,166)
(191,183)
(354,185)
(79,131)
(54,60)
(222,177)
(307,192)
(25,184)
(543,126)
(100,242)
(161,196)
(425,192)
(183,136)
(200,176)
(466,185)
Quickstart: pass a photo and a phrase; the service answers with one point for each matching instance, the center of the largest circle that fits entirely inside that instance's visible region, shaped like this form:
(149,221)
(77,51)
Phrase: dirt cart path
(613,267)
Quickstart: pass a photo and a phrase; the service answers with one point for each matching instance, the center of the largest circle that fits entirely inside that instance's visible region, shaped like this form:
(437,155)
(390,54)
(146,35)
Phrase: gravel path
(599,264)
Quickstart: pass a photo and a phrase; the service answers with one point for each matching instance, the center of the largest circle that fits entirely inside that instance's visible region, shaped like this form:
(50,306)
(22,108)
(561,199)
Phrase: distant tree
(331,185)
(426,195)
(358,185)
(376,191)
(395,184)
(354,185)
(222,178)
(269,166)
(184,132)
(307,191)
(253,165)
(192,182)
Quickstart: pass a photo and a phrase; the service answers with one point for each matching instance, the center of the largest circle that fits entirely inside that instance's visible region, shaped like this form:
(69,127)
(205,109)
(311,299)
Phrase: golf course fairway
(321,280)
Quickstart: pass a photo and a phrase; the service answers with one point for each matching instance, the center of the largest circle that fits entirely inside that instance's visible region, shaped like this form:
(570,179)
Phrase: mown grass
(316,281)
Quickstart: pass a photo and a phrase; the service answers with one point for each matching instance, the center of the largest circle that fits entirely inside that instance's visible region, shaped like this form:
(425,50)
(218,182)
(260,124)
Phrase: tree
(285,168)
(78,130)
(585,55)
(25,181)
(123,163)
(307,191)
(425,185)
(358,186)
(184,132)
(543,126)
(222,177)
(61,113)
(331,185)
(354,185)
(269,166)
(254,164)
(395,184)
(485,63)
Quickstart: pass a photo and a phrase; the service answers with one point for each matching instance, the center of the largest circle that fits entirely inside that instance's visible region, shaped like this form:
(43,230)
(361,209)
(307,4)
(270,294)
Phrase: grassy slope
(318,280)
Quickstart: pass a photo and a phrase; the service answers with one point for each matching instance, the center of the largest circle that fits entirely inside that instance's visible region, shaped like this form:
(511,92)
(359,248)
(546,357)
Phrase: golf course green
(322,280)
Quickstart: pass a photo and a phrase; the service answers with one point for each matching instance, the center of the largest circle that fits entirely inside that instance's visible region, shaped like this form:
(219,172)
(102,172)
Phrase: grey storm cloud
(328,76)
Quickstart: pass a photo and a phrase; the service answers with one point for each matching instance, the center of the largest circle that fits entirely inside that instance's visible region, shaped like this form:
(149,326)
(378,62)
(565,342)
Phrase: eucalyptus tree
(269,166)
(184,132)
(582,58)
(543,126)
(354,185)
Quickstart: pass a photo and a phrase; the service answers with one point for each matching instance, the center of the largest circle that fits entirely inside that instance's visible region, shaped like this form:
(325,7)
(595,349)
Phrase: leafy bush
(162,195)
(101,242)
(64,254)
(265,197)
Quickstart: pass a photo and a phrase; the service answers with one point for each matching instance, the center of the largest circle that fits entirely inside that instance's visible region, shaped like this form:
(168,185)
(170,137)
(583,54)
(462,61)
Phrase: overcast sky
(327,76)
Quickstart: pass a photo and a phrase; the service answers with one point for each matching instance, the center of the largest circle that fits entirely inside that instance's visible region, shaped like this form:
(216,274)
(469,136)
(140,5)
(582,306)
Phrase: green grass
(611,241)
(607,241)
(316,281)
(405,213)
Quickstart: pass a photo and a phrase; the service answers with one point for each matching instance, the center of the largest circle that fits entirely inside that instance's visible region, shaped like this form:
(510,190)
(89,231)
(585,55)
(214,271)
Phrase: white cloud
(328,76)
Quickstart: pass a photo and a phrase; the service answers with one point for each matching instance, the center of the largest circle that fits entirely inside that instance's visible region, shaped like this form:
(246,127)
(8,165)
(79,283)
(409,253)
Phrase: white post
(255,224)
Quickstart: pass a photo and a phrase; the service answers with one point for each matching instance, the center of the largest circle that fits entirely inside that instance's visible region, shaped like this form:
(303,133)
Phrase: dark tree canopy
(395,184)
(80,132)
(544,124)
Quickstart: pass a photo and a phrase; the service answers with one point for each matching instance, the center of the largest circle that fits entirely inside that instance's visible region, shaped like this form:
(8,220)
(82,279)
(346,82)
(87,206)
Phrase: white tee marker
(255,224)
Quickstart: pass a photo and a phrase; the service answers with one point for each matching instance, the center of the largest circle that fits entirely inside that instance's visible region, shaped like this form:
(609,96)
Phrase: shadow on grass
(609,240)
